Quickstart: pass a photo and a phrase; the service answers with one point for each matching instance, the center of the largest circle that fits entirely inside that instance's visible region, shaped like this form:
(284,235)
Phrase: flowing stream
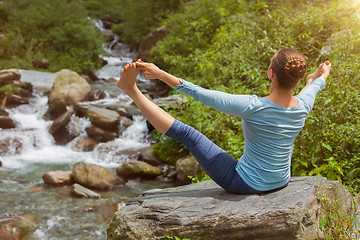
(40,212)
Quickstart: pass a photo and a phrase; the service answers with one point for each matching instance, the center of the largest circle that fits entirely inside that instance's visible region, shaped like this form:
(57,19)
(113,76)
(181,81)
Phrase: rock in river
(206,211)
(95,177)
(136,169)
(58,178)
(70,87)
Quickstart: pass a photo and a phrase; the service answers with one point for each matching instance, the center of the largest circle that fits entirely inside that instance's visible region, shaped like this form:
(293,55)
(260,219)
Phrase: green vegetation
(136,20)
(227,46)
(42,29)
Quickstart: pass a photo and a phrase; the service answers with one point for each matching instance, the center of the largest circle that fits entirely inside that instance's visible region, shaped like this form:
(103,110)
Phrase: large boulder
(95,177)
(136,169)
(104,118)
(9,75)
(70,87)
(185,167)
(206,211)
(58,178)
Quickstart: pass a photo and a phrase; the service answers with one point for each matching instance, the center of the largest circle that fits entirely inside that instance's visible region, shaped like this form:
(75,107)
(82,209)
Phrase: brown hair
(289,66)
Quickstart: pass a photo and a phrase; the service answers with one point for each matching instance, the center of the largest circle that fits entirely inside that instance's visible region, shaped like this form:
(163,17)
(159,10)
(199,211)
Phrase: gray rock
(104,118)
(6,122)
(170,100)
(136,169)
(70,87)
(95,177)
(148,156)
(80,191)
(125,122)
(96,94)
(100,135)
(206,211)
(61,121)
(187,166)
(58,178)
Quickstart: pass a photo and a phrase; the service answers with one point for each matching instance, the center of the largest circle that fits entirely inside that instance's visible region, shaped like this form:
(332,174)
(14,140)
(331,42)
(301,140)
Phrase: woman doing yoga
(270,124)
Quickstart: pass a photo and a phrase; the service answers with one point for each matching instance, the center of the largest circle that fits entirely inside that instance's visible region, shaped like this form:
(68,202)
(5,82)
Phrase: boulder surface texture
(206,211)
(70,87)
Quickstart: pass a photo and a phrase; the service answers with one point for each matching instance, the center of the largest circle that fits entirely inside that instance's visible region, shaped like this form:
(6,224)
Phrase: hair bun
(295,68)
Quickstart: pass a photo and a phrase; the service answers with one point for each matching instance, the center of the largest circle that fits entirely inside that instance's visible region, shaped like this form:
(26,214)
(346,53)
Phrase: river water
(40,212)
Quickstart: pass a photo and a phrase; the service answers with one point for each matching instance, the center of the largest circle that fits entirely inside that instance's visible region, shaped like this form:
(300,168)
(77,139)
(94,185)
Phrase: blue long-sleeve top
(269,130)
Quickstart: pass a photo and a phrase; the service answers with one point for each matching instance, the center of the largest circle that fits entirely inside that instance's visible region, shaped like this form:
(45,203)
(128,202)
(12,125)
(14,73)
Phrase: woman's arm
(322,71)
(224,102)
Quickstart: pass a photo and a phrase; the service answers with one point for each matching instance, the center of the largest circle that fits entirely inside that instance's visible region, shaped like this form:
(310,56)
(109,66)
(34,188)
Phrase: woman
(270,124)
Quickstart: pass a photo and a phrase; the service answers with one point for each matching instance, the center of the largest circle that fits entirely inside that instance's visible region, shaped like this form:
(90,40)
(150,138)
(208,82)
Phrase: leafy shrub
(57,30)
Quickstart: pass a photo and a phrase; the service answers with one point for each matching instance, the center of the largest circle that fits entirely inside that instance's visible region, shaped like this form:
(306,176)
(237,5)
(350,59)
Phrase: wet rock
(23,85)
(9,75)
(150,41)
(155,88)
(104,118)
(61,121)
(80,110)
(14,100)
(41,63)
(108,22)
(84,144)
(206,211)
(70,87)
(147,155)
(3,113)
(170,100)
(55,109)
(124,123)
(96,94)
(59,128)
(80,191)
(187,166)
(111,80)
(95,177)
(58,178)
(122,112)
(0,164)
(99,135)
(18,227)
(10,145)
(136,169)
(6,122)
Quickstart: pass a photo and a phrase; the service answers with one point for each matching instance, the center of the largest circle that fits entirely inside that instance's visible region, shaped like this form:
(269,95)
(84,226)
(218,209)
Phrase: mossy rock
(136,169)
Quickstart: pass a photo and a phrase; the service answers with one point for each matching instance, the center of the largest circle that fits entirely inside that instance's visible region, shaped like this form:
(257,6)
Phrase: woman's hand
(325,70)
(311,77)
(149,70)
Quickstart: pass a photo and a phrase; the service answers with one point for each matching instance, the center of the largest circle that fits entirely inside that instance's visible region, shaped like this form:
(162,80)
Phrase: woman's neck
(282,97)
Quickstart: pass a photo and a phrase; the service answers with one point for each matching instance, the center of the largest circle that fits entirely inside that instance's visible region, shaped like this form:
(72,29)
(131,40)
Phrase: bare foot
(128,77)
